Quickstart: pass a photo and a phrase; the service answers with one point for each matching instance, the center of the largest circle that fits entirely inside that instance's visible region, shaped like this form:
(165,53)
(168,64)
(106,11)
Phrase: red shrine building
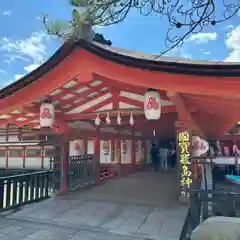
(102,107)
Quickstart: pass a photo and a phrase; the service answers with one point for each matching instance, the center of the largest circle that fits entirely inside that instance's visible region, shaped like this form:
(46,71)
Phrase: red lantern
(106,147)
(124,147)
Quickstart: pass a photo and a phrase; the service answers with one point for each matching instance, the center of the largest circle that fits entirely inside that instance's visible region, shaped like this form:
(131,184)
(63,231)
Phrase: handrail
(22,189)
(24,174)
(185,235)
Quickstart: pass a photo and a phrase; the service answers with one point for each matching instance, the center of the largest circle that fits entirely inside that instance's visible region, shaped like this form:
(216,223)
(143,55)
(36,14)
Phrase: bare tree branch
(185,17)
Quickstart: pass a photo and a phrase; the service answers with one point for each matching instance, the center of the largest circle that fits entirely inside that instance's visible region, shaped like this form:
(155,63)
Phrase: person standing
(155,157)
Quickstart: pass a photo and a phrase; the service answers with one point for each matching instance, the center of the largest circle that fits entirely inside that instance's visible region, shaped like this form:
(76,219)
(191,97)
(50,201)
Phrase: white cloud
(200,38)
(7,13)
(179,52)
(3,71)
(31,67)
(233,43)
(18,76)
(31,50)
(206,53)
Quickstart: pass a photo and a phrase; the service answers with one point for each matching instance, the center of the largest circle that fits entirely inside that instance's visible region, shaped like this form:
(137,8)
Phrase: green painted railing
(18,190)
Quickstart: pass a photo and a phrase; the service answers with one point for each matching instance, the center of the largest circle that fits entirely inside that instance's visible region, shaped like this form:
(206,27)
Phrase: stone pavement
(139,206)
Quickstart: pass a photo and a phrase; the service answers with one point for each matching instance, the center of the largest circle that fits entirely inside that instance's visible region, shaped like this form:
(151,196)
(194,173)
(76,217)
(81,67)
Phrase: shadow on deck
(142,204)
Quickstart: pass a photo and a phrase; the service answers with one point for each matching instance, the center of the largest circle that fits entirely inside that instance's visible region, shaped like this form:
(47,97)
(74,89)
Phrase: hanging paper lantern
(131,120)
(46,115)
(108,120)
(124,147)
(97,120)
(105,147)
(119,119)
(152,105)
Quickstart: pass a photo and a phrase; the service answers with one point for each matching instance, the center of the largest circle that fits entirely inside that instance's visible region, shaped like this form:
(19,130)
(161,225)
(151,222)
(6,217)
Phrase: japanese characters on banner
(105,147)
(184,155)
(152,105)
(46,115)
(124,147)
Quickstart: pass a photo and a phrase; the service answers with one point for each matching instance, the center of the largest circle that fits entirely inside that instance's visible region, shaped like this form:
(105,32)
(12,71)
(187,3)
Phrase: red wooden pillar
(97,153)
(65,160)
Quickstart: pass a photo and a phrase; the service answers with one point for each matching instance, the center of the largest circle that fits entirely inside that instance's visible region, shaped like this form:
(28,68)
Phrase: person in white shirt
(164,158)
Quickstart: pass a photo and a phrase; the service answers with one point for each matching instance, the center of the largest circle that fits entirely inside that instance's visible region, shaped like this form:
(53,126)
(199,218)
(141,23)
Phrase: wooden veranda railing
(18,190)
(210,195)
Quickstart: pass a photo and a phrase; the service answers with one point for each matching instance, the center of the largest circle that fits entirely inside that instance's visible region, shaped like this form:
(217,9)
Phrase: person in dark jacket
(155,157)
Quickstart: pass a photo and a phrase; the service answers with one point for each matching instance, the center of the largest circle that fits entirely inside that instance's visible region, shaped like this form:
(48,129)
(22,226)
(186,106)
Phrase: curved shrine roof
(128,58)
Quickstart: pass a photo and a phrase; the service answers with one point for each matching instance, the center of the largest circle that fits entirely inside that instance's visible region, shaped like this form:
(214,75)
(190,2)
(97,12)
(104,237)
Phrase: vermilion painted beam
(26,122)
(133,102)
(78,105)
(183,114)
(125,112)
(98,105)
(83,95)
(132,88)
(115,94)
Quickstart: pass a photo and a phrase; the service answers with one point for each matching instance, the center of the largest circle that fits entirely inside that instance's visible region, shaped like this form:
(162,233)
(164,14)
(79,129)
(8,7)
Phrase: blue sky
(24,45)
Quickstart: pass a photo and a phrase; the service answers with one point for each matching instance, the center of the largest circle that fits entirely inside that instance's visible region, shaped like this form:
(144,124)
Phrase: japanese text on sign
(186,174)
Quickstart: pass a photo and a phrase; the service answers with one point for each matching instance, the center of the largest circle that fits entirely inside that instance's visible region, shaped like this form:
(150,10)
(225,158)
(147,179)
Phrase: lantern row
(119,119)
(152,111)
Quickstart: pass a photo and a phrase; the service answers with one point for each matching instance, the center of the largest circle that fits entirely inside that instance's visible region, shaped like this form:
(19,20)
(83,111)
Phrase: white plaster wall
(2,138)
(90,147)
(32,162)
(12,138)
(105,158)
(139,152)
(2,162)
(126,158)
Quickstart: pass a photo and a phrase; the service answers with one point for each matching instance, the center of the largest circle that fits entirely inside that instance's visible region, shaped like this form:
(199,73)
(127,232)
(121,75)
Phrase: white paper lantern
(97,120)
(119,119)
(108,120)
(46,115)
(131,120)
(152,105)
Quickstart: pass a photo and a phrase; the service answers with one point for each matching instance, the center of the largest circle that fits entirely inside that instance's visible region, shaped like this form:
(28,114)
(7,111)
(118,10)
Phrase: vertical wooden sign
(184,157)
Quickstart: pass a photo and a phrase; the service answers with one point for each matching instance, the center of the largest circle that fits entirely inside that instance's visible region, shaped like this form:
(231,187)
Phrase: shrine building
(100,107)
